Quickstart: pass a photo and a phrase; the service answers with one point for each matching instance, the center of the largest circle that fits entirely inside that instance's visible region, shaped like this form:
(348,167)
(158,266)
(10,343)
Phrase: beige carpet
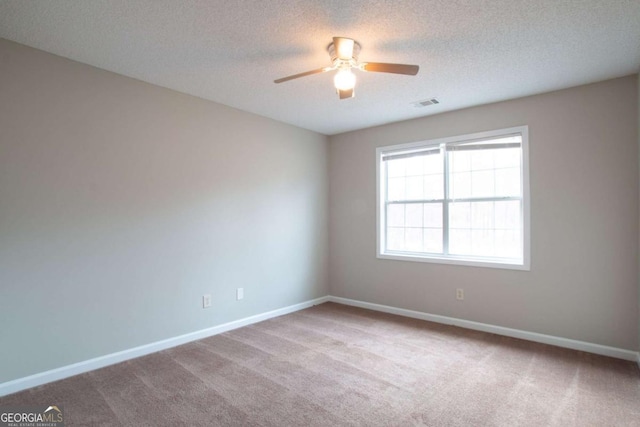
(337,365)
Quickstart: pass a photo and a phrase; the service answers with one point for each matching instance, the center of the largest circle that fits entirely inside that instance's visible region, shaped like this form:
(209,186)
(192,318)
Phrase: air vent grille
(426,102)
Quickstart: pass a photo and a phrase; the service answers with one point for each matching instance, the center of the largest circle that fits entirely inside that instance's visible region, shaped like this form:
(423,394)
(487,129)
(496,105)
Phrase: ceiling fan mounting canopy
(344,54)
(349,50)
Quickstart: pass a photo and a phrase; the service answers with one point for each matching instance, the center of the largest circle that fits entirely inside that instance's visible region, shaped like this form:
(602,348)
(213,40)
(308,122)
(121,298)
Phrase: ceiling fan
(344,57)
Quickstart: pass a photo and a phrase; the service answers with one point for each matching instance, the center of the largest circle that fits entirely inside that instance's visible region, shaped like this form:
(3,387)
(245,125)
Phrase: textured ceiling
(469,52)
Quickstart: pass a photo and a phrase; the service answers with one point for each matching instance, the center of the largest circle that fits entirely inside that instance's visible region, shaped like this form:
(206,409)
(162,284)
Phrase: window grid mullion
(386,206)
(445,202)
(486,199)
(461,200)
(413,202)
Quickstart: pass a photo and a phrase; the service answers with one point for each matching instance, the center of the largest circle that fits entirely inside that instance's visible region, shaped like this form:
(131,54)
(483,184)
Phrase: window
(460,200)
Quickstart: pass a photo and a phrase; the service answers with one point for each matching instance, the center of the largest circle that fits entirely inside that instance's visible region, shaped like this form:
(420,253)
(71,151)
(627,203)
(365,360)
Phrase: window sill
(466,261)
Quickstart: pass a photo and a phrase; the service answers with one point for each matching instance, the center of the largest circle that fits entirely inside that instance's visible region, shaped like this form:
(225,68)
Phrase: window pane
(482,242)
(490,229)
(415,165)
(507,215)
(396,167)
(482,215)
(413,239)
(482,160)
(507,244)
(459,161)
(433,240)
(414,187)
(460,241)
(482,184)
(395,215)
(395,189)
(433,187)
(432,215)
(395,238)
(433,164)
(413,215)
(460,215)
(506,158)
(460,185)
(508,182)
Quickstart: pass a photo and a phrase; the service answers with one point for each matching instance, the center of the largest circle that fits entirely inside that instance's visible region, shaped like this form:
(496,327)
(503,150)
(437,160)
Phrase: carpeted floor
(337,365)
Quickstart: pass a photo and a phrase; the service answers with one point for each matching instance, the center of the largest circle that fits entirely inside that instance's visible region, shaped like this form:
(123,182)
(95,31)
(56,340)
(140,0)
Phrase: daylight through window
(457,200)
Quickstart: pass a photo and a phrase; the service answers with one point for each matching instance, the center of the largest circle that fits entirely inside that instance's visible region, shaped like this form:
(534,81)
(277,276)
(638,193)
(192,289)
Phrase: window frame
(523,264)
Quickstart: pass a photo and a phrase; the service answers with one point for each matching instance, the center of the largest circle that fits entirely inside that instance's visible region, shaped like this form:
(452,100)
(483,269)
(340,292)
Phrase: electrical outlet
(459,294)
(206,301)
(239,293)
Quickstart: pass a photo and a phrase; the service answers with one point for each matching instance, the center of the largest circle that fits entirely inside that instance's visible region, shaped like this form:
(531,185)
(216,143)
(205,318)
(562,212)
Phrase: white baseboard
(603,350)
(121,356)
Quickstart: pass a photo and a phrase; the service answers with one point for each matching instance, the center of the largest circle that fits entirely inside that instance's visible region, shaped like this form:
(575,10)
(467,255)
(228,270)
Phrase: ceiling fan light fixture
(344,57)
(344,79)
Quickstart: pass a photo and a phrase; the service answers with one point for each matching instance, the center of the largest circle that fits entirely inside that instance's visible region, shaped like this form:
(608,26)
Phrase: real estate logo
(31,416)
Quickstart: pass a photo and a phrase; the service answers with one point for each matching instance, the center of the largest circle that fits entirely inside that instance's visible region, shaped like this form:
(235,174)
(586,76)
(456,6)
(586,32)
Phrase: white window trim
(466,260)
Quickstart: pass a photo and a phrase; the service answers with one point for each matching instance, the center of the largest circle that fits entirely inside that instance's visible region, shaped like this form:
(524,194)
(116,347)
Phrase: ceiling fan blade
(306,73)
(345,94)
(381,67)
(343,47)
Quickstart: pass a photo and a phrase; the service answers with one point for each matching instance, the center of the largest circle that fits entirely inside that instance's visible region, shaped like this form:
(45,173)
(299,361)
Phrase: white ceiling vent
(426,102)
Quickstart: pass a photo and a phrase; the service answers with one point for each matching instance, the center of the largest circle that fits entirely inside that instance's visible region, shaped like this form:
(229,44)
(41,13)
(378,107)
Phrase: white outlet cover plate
(206,301)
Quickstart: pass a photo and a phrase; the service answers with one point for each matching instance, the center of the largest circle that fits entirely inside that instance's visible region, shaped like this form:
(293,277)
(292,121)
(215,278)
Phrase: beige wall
(583,282)
(122,203)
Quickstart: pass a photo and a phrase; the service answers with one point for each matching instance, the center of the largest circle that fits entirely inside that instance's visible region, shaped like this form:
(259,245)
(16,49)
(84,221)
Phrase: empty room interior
(218,213)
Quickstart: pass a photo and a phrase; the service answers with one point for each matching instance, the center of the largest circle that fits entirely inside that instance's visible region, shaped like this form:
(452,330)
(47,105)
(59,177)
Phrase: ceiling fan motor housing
(335,59)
